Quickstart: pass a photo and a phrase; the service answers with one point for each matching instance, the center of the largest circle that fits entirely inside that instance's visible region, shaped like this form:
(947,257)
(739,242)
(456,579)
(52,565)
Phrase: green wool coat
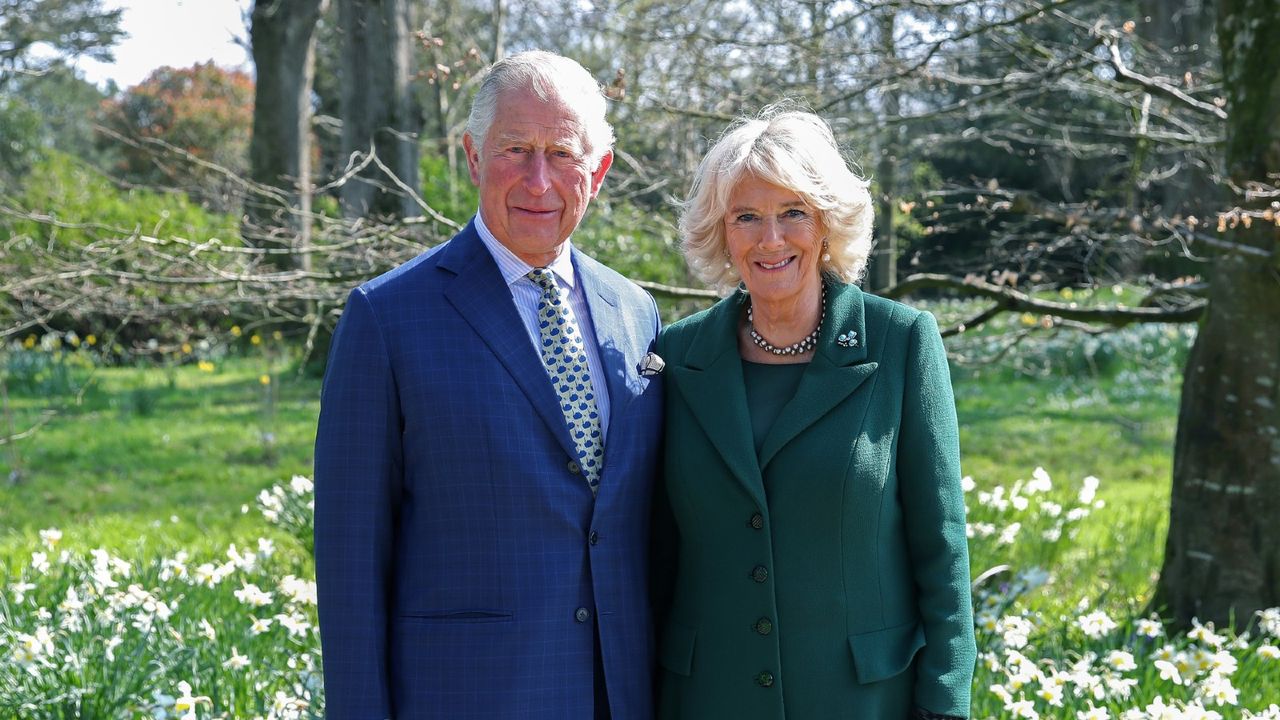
(829,577)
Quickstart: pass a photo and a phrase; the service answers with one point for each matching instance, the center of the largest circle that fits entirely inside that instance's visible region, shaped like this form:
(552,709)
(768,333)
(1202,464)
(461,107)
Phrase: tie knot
(545,279)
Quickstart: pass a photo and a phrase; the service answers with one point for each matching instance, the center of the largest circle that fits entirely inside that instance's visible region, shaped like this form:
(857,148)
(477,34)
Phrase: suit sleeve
(358,473)
(933,507)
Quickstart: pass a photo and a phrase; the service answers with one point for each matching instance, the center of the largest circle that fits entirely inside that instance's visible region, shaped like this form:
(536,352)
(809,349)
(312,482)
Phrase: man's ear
(597,177)
(473,157)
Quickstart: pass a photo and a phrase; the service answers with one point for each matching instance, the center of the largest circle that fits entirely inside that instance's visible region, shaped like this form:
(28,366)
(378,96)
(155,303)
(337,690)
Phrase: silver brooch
(849,339)
(651,364)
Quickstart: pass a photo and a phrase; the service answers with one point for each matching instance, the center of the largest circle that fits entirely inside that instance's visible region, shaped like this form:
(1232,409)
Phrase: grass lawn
(159,465)
(146,446)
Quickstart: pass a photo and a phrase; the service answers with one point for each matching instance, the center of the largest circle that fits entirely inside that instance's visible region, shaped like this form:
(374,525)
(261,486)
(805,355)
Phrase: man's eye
(516,149)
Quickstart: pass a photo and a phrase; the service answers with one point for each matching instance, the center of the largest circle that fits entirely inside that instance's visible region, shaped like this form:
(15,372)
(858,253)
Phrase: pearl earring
(826,256)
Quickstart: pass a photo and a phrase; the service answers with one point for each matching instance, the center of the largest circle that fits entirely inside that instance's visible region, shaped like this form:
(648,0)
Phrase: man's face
(533,173)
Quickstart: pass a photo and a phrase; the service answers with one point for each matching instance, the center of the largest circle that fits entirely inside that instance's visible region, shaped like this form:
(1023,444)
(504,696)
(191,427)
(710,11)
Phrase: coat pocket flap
(676,651)
(881,654)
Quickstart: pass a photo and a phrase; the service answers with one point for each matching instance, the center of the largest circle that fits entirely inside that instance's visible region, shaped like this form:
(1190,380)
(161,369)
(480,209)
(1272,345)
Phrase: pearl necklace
(804,345)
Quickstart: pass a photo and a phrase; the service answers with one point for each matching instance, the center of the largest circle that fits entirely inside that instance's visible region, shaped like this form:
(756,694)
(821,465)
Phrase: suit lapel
(711,382)
(833,374)
(483,299)
(610,335)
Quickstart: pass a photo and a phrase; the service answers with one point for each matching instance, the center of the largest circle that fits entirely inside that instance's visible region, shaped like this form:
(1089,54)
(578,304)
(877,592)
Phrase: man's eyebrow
(570,142)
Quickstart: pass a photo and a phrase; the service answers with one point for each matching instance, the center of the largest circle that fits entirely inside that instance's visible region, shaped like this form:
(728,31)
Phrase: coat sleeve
(358,474)
(933,508)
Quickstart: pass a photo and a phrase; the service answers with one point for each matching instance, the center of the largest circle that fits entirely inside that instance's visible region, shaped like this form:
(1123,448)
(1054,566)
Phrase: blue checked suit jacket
(454,541)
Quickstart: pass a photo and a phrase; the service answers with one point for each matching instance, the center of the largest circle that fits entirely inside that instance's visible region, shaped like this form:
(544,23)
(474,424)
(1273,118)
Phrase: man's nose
(537,174)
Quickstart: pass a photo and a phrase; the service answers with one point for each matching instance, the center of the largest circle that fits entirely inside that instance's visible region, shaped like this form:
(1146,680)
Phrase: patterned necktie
(565,356)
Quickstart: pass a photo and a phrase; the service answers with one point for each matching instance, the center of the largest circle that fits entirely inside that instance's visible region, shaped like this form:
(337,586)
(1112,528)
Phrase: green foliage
(203,110)
(450,193)
(20,137)
(74,193)
(40,33)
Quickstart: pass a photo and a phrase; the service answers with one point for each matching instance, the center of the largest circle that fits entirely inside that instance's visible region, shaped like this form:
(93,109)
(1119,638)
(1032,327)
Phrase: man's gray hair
(551,76)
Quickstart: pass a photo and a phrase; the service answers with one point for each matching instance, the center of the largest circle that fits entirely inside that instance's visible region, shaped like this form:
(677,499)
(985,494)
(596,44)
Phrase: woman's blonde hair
(791,149)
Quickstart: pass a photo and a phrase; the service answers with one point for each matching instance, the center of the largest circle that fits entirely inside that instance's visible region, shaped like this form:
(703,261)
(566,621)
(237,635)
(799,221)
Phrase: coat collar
(711,380)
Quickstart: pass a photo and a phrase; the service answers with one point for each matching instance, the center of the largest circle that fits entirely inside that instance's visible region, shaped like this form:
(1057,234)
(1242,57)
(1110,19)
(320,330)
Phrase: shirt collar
(514,269)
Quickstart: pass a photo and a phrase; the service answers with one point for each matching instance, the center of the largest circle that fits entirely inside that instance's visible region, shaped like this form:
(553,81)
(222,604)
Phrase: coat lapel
(611,337)
(711,382)
(833,374)
(482,298)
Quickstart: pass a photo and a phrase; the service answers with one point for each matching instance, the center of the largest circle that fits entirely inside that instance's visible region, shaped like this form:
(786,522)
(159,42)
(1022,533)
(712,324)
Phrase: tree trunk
(1182,29)
(379,106)
(884,258)
(282,34)
(1222,556)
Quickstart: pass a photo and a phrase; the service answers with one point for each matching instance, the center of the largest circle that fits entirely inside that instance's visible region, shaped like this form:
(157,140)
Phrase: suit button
(764,679)
(593,538)
(764,626)
(574,467)
(756,521)
(582,615)
(759,574)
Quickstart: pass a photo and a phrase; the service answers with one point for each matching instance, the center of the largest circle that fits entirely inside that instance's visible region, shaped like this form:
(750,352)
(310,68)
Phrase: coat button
(764,626)
(582,615)
(765,679)
(593,538)
(574,467)
(759,574)
(756,521)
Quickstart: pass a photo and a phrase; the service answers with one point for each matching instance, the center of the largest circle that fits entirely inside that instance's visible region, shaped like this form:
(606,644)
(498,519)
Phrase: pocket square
(651,364)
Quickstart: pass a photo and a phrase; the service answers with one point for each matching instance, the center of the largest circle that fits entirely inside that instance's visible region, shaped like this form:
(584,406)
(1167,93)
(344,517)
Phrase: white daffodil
(1096,624)
(186,703)
(1168,671)
(20,590)
(1121,660)
(236,661)
(253,596)
(1149,628)
(51,537)
(1093,713)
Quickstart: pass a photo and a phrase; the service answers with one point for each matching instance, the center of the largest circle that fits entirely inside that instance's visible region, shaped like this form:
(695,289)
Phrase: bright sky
(178,33)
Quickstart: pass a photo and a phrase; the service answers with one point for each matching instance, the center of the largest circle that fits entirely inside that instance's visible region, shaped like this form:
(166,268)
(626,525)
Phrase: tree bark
(884,258)
(380,110)
(1222,556)
(282,35)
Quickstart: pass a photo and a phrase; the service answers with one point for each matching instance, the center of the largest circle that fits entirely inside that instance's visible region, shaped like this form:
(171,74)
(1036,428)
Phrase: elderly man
(488,438)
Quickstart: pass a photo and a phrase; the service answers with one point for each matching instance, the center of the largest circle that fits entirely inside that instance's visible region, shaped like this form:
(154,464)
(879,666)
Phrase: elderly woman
(811,522)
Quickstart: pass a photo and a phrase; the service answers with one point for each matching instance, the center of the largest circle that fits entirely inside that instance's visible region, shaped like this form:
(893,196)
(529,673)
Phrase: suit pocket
(676,651)
(881,654)
(459,616)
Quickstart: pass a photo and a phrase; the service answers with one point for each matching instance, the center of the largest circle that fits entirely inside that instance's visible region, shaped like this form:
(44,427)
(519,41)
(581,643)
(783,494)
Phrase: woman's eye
(795,214)
(745,218)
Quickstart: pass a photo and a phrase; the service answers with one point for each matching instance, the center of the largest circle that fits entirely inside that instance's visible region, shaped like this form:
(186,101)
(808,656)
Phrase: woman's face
(774,240)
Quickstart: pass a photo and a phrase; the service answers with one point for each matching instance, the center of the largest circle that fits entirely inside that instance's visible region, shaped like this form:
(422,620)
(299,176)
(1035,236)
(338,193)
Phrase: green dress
(823,571)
